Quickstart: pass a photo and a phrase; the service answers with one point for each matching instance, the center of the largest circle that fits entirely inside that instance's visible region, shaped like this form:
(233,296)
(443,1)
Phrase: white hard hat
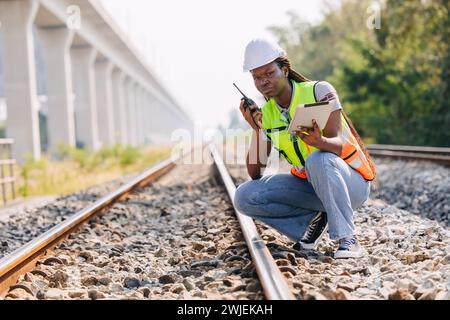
(260,52)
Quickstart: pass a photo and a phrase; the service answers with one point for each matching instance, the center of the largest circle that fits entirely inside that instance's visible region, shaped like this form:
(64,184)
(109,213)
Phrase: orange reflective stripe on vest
(299,174)
(353,155)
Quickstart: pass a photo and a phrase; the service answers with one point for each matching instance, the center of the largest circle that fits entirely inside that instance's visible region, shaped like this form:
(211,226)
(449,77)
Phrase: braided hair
(293,75)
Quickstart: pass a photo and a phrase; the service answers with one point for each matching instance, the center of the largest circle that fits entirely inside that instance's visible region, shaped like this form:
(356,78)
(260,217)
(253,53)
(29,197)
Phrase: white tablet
(305,113)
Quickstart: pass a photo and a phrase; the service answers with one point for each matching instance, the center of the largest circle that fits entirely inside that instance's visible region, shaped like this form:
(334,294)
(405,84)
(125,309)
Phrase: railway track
(25,258)
(283,272)
(433,154)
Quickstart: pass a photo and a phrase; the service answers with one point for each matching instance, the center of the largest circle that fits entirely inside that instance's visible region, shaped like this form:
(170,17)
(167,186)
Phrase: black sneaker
(315,231)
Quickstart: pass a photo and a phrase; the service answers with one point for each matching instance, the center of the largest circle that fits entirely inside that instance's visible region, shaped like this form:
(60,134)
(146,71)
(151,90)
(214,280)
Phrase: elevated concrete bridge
(99,90)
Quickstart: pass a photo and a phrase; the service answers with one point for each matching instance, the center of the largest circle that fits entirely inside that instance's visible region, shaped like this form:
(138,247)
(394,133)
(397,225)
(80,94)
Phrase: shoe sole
(313,246)
(349,254)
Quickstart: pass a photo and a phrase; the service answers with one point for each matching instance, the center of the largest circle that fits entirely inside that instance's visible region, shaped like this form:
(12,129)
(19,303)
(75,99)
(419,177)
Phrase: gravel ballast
(179,239)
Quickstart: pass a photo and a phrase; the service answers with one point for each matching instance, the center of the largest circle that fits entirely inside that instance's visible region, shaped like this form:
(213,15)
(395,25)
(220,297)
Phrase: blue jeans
(288,203)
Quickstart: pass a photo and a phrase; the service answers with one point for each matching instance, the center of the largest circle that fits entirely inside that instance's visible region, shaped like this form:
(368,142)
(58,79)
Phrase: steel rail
(273,282)
(24,258)
(427,154)
(417,149)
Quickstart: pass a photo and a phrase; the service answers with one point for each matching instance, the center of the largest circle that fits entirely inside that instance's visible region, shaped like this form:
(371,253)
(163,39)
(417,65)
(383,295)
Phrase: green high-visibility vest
(293,149)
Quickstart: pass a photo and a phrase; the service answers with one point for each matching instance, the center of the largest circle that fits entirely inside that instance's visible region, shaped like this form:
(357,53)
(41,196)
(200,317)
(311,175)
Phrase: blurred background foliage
(393,81)
(76,169)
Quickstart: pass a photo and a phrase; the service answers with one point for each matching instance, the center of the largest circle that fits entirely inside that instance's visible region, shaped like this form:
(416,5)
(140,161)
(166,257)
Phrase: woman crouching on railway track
(331,170)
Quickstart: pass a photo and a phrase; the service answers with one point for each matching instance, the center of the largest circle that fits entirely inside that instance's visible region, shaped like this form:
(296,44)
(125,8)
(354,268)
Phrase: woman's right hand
(254,119)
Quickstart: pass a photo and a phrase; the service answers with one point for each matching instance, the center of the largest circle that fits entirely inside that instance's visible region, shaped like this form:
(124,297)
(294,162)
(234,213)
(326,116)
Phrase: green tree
(399,93)
(393,81)
(315,50)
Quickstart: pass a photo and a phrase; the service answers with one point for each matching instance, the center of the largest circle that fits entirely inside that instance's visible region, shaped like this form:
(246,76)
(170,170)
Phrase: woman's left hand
(311,136)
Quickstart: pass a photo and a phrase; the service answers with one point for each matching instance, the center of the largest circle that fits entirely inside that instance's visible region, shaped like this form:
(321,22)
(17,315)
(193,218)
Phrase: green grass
(77,169)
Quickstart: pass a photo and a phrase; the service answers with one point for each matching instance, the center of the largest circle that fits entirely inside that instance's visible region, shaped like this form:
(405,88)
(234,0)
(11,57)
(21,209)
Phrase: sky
(196,47)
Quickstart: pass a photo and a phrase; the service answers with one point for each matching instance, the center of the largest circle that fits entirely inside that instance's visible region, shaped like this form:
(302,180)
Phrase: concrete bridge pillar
(17,17)
(136,119)
(119,104)
(131,111)
(56,44)
(138,114)
(157,121)
(147,113)
(86,123)
(105,116)
(141,115)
